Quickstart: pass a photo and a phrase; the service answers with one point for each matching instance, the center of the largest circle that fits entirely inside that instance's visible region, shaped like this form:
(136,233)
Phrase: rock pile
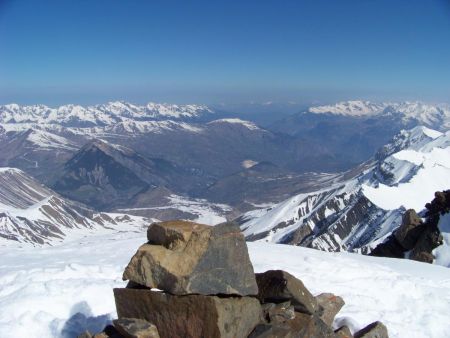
(193,280)
(416,237)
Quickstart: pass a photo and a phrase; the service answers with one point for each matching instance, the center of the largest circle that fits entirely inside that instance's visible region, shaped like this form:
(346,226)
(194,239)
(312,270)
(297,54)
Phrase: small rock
(276,286)
(85,334)
(423,256)
(409,231)
(278,313)
(329,305)
(108,332)
(192,315)
(189,258)
(343,332)
(135,328)
(374,330)
(271,331)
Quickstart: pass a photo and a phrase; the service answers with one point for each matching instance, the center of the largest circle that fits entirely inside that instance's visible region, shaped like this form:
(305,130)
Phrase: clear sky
(92,51)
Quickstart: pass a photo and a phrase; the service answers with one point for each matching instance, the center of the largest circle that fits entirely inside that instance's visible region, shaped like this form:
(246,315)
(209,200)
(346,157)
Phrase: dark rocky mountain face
(347,140)
(96,178)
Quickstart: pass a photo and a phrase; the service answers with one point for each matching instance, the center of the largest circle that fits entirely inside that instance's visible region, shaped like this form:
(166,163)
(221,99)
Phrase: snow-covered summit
(246,124)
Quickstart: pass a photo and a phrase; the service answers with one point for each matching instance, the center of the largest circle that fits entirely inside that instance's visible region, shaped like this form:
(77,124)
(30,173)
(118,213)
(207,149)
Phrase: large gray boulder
(190,316)
(188,258)
(277,286)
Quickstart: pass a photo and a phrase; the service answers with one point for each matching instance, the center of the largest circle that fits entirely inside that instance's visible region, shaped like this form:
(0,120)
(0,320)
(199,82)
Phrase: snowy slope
(61,291)
(32,214)
(358,212)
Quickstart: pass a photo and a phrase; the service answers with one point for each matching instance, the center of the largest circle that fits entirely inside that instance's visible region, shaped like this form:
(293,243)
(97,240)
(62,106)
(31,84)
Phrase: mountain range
(189,161)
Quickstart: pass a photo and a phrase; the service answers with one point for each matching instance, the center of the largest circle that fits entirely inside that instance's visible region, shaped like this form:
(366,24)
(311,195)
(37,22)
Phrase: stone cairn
(194,280)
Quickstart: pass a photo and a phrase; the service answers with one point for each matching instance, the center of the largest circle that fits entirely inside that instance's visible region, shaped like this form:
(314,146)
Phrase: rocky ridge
(417,237)
(207,288)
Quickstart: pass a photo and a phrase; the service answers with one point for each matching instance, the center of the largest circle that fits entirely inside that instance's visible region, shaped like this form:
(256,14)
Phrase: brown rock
(329,305)
(85,334)
(108,332)
(374,330)
(189,258)
(135,328)
(276,286)
(302,326)
(423,256)
(192,315)
(409,231)
(272,331)
(343,332)
(278,313)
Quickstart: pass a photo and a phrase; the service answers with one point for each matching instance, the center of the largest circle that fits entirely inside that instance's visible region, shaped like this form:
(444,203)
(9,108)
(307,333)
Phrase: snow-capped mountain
(364,206)
(34,214)
(431,115)
(100,115)
(350,108)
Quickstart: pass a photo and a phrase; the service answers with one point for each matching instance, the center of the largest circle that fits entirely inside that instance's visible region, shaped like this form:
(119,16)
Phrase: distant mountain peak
(108,114)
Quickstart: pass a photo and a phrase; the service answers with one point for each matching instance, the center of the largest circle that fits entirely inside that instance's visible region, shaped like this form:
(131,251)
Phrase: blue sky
(92,51)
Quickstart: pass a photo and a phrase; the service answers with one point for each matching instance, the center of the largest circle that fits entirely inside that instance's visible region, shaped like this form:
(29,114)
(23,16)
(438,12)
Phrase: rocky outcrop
(409,231)
(185,258)
(415,238)
(207,288)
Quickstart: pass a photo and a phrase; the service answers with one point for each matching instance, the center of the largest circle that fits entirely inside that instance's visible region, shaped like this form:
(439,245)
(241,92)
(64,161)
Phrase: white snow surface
(205,212)
(60,291)
(432,165)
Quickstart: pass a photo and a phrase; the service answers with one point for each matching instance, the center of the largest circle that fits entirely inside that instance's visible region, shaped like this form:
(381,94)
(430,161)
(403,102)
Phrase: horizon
(233,53)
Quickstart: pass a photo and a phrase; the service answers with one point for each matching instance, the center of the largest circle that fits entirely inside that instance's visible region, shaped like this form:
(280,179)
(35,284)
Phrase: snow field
(59,291)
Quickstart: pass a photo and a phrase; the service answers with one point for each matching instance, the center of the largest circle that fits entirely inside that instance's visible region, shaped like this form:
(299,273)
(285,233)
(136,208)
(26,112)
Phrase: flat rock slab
(188,258)
(136,328)
(276,286)
(192,315)
(329,305)
(374,330)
